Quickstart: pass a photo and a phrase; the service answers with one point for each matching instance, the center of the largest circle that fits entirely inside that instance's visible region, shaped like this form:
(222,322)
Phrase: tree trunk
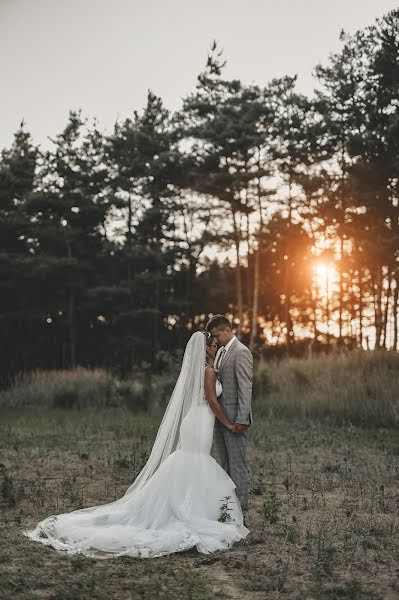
(360,279)
(129,236)
(386,312)
(254,324)
(328,311)
(395,314)
(248,239)
(340,290)
(71,312)
(72,328)
(377,285)
(353,312)
(287,307)
(314,311)
(257,251)
(238,276)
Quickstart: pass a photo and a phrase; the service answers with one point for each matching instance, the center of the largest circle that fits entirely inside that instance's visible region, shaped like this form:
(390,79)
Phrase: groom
(233,364)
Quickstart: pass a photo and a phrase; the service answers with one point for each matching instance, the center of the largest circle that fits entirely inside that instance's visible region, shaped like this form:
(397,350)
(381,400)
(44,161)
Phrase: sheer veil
(167,516)
(188,391)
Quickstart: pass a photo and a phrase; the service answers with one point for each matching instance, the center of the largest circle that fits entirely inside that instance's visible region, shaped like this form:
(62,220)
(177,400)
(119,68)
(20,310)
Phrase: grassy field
(324,503)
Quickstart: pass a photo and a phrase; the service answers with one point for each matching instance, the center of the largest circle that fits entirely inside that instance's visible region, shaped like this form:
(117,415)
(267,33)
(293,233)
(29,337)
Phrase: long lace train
(178,507)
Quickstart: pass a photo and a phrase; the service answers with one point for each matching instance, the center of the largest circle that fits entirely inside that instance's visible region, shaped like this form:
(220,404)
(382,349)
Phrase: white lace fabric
(174,503)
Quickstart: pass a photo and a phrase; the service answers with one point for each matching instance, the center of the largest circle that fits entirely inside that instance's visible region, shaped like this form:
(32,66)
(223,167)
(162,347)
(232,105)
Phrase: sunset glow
(326,277)
(325,271)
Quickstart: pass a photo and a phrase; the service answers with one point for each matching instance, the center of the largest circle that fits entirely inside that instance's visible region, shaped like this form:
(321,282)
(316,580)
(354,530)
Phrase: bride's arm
(210,393)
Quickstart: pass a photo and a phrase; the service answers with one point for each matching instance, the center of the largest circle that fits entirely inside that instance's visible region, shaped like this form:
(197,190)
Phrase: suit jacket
(235,374)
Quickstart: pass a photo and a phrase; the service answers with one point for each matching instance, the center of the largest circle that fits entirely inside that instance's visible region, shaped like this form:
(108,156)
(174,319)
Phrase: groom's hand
(239,428)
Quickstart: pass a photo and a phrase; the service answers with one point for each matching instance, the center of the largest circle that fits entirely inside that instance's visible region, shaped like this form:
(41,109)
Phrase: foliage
(115,247)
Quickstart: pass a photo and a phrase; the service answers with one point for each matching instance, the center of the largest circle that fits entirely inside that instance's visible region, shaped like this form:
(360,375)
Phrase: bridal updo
(208,338)
(211,347)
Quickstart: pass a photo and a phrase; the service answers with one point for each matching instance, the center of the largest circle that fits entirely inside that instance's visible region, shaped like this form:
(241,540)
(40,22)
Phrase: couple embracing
(176,500)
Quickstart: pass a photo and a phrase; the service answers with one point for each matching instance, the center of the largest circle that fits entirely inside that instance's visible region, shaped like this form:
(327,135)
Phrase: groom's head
(220,328)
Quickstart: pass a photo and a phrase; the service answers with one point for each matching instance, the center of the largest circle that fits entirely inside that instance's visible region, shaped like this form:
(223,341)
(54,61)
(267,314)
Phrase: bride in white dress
(175,502)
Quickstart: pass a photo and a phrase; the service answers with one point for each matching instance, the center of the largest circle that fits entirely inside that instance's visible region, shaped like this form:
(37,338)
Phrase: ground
(324,511)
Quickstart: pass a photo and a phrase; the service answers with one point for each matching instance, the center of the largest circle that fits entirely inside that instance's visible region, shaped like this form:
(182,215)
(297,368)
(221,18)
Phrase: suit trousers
(231,450)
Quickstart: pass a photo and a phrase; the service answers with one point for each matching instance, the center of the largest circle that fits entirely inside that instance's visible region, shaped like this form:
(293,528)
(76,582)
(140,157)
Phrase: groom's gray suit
(235,374)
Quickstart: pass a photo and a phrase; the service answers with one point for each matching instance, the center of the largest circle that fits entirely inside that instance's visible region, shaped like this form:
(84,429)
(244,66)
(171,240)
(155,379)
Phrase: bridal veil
(188,390)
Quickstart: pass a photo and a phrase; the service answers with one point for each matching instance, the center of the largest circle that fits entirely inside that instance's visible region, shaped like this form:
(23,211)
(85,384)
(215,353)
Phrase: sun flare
(325,271)
(325,278)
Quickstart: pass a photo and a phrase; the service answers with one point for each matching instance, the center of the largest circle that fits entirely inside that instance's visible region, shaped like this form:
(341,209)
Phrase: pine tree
(18,316)
(67,210)
(223,121)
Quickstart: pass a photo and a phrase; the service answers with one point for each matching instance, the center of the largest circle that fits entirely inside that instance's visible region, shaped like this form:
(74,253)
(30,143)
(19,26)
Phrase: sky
(104,55)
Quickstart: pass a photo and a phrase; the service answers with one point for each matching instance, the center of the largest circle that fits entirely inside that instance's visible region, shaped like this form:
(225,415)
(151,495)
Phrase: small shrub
(65,397)
(270,510)
(225,510)
(134,394)
(7,488)
(292,531)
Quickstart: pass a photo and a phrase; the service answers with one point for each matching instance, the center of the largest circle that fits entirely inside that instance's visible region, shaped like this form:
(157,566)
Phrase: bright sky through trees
(104,56)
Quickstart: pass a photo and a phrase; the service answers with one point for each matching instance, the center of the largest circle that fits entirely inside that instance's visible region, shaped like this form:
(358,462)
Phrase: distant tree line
(115,246)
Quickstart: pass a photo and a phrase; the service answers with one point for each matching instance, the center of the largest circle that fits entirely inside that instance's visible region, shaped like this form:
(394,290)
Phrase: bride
(176,501)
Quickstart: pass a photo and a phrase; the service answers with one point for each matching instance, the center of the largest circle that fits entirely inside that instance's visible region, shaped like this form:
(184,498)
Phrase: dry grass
(324,504)
(361,388)
(323,511)
(65,389)
(75,388)
(347,387)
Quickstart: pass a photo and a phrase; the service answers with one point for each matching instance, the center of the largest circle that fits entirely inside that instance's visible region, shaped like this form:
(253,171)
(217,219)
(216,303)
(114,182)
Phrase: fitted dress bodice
(196,430)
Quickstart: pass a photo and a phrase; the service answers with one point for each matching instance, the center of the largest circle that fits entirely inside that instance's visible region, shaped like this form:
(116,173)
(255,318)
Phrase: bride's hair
(219,321)
(208,338)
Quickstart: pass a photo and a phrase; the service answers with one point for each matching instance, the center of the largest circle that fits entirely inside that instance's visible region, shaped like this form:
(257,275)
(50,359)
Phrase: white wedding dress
(173,506)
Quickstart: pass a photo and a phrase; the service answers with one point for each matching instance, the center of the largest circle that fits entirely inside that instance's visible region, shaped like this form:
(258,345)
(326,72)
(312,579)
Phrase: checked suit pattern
(235,371)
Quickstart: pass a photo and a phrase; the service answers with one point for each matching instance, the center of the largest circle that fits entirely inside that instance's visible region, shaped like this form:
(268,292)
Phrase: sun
(325,278)
(325,271)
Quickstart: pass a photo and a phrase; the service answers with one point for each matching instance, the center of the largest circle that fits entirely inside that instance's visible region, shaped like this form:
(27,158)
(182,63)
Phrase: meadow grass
(75,388)
(323,516)
(343,387)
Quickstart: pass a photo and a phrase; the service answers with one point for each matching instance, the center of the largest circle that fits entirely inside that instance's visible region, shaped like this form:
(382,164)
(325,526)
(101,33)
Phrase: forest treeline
(115,246)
